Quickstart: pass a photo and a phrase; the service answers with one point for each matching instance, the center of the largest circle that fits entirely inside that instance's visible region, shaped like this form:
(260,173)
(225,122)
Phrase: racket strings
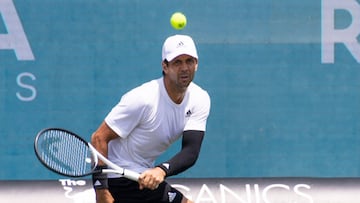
(66,154)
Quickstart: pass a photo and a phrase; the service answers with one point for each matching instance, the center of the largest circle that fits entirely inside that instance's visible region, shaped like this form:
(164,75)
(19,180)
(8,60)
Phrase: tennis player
(146,121)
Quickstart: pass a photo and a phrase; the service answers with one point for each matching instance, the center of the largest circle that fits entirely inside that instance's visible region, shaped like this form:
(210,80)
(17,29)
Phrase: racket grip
(131,175)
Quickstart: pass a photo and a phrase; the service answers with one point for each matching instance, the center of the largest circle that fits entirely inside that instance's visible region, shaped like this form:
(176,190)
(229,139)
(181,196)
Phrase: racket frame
(113,168)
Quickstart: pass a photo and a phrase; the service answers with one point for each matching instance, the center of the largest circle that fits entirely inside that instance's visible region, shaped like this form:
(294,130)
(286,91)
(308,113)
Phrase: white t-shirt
(148,122)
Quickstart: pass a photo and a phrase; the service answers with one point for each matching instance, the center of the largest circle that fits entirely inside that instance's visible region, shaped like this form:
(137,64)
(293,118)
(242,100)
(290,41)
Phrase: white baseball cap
(176,45)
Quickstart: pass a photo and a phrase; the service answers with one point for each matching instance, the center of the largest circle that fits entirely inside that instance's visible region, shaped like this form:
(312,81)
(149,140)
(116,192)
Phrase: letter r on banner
(347,36)
(15,38)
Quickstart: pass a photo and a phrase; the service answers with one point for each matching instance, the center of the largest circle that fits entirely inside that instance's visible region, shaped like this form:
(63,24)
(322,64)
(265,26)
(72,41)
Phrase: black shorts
(127,191)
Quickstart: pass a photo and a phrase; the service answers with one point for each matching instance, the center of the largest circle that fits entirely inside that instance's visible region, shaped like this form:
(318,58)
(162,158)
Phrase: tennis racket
(68,154)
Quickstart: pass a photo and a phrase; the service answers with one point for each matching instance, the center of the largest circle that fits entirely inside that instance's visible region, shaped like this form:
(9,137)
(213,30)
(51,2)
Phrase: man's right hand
(103,196)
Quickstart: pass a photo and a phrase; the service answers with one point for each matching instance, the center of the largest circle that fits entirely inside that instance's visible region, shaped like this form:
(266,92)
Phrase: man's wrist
(164,169)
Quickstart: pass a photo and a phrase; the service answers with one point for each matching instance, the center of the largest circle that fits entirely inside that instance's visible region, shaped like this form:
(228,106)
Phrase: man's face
(181,70)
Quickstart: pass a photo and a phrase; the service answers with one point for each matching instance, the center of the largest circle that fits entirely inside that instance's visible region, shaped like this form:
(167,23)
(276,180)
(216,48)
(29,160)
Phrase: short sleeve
(199,112)
(126,115)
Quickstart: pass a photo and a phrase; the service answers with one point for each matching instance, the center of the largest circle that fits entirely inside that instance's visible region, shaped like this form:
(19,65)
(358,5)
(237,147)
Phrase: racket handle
(131,175)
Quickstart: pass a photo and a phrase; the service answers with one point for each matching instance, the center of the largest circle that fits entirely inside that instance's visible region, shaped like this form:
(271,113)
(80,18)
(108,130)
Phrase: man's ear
(164,66)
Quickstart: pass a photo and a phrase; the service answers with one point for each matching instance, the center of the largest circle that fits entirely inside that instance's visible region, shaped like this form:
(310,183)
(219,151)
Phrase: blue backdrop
(283,77)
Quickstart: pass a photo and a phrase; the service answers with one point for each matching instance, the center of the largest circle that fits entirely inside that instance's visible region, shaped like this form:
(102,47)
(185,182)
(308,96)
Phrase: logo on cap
(180,44)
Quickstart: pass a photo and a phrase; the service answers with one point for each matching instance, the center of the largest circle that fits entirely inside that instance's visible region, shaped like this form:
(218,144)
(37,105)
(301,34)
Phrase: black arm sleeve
(190,149)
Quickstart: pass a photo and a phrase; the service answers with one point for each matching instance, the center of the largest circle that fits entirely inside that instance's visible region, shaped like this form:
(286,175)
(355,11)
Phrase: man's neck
(176,94)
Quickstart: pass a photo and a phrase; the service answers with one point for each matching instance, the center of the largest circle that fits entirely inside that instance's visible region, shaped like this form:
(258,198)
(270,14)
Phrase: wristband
(164,168)
(99,179)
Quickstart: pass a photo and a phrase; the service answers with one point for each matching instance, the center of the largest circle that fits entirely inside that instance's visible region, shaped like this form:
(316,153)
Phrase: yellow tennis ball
(178,21)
